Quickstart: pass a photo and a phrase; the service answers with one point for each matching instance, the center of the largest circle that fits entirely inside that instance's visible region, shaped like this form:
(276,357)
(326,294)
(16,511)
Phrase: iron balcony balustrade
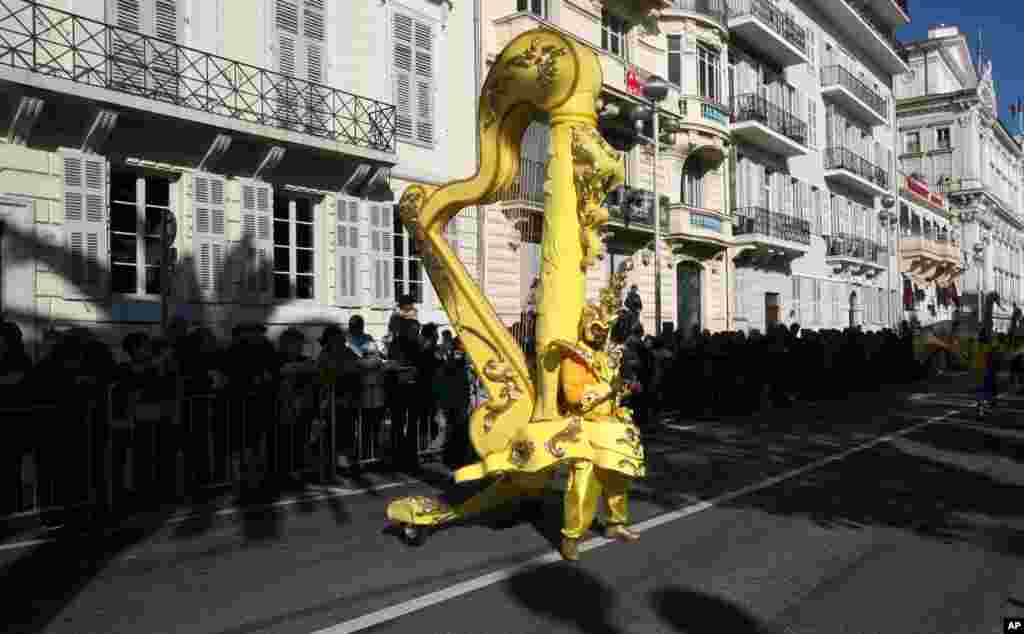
(843,165)
(761,221)
(64,45)
(848,246)
(837,76)
(621,212)
(761,24)
(886,33)
(714,9)
(753,108)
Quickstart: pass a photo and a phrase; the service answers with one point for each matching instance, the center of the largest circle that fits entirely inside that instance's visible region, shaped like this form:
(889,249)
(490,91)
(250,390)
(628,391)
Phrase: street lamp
(887,204)
(655,90)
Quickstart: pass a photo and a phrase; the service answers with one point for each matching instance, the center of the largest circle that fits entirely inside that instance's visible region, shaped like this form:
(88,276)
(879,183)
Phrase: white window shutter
(347,290)
(85,224)
(381,225)
(289,60)
(257,238)
(402,41)
(424,46)
(210,237)
(314,39)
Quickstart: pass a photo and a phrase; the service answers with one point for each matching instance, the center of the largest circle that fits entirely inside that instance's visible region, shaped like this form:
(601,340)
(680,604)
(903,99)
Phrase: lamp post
(656,89)
(891,219)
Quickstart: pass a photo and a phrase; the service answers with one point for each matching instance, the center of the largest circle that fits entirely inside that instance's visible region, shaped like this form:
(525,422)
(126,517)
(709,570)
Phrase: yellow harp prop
(540,71)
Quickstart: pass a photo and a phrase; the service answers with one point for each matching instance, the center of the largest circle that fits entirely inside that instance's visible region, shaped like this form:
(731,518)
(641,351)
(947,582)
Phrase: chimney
(941,30)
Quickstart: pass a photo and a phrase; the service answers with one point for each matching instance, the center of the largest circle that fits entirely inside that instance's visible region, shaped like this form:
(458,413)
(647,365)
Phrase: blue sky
(999,23)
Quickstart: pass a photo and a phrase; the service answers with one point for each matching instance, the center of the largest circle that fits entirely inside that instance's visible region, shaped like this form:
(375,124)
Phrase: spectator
(372,397)
(453,398)
(405,349)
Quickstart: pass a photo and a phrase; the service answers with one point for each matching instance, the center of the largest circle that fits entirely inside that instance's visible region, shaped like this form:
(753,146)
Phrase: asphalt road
(885,513)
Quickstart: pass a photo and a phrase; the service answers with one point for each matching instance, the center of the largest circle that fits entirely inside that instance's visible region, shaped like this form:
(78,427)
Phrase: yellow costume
(565,410)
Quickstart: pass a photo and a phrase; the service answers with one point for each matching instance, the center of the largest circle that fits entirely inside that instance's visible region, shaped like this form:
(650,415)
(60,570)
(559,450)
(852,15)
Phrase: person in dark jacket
(404,349)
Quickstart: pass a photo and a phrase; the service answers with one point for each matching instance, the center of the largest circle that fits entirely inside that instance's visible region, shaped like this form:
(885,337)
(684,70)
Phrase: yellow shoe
(620,533)
(570,549)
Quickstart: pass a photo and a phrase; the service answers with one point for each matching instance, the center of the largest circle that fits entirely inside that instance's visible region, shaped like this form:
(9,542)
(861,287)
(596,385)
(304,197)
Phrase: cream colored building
(695,230)
(277,133)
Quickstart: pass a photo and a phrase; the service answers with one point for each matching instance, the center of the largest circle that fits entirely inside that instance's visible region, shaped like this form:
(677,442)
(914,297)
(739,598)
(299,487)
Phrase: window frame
(615,28)
(538,8)
(907,145)
(403,257)
(938,138)
(674,48)
(293,247)
(140,236)
(709,68)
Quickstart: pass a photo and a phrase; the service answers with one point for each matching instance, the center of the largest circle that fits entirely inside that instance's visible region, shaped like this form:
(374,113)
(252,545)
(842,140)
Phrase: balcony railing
(752,107)
(639,217)
(714,9)
(838,75)
(840,158)
(844,245)
(778,21)
(761,221)
(887,34)
(710,109)
(55,43)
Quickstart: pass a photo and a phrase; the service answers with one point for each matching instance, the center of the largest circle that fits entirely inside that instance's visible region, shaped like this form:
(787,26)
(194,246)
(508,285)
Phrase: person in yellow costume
(592,388)
(591,393)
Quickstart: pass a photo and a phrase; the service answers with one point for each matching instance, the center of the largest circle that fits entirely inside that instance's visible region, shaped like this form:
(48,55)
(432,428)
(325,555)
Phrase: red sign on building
(633,84)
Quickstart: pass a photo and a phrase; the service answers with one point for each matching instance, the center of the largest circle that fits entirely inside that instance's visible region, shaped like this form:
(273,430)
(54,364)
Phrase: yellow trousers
(587,482)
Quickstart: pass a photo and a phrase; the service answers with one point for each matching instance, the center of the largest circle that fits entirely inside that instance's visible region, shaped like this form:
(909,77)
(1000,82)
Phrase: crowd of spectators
(413,390)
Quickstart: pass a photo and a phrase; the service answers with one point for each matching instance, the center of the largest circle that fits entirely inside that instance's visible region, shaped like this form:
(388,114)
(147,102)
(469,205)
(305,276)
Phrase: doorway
(688,297)
(772,311)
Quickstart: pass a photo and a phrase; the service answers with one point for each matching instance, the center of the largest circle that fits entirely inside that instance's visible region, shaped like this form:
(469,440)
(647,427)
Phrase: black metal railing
(753,107)
(714,9)
(761,221)
(877,25)
(776,19)
(638,215)
(845,245)
(840,158)
(837,75)
(55,43)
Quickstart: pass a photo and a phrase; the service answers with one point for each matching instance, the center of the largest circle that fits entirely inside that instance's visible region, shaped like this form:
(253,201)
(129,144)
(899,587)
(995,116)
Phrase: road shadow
(568,594)
(691,612)
(947,483)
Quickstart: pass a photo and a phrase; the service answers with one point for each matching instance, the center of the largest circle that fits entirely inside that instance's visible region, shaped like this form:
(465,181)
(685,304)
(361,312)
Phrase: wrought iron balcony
(622,212)
(840,158)
(755,108)
(55,43)
(886,33)
(847,246)
(780,22)
(714,9)
(761,221)
(837,75)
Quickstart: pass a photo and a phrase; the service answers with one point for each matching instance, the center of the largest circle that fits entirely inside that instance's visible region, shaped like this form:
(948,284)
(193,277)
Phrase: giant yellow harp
(520,434)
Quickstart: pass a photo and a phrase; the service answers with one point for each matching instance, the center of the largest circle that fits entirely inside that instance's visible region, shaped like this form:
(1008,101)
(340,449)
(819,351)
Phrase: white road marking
(327,492)
(682,427)
(393,612)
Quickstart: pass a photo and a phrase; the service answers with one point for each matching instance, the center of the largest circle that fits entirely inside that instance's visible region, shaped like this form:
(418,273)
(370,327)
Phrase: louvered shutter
(382,283)
(314,39)
(402,36)
(347,287)
(289,62)
(413,42)
(210,247)
(135,65)
(257,238)
(85,224)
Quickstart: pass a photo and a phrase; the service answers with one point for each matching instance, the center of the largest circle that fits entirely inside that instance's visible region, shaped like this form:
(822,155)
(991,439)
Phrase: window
(414,78)
(209,237)
(880,317)
(675,60)
(613,33)
(693,182)
(942,139)
(817,302)
(536,7)
(86,229)
(407,264)
(139,66)
(347,247)
(138,204)
(912,142)
(812,53)
(294,250)
(796,299)
(709,73)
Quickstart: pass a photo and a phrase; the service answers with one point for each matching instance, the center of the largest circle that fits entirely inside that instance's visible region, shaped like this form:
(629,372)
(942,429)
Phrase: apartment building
(811,84)
(267,139)
(633,44)
(952,140)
